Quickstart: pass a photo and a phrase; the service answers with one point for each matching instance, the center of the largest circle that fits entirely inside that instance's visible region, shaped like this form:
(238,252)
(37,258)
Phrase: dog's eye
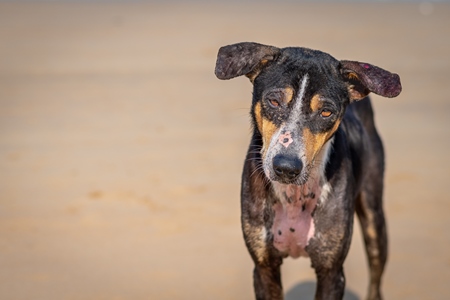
(274,102)
(325,113)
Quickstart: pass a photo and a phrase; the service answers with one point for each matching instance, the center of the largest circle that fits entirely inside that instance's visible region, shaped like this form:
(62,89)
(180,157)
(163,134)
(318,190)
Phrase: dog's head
(299,100)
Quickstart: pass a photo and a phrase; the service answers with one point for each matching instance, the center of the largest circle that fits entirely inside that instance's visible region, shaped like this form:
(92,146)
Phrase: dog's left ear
(363,78)
(243,59)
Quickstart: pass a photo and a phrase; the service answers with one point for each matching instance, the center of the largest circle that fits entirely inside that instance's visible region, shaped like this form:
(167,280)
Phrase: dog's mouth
(298,182)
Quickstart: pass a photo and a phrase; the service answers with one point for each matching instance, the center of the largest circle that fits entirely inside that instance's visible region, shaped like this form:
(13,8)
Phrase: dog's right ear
(243,59)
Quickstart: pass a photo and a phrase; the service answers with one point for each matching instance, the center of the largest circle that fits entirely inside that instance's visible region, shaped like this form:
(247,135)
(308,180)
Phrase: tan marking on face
(266,127)
(316,104)
(315,142)
(258,116)
(289,94)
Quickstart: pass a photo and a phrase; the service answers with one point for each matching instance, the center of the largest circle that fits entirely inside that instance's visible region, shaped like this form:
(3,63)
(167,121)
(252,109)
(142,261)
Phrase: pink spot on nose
(285,139)
(365,66)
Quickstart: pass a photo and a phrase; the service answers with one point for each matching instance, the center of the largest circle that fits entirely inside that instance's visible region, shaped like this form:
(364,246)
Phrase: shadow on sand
(306,290)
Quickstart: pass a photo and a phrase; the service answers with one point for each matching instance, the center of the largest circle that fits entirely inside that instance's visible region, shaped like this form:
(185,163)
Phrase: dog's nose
(287,167)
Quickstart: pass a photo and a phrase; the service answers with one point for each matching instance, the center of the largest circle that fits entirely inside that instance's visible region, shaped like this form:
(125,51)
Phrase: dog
(315,158)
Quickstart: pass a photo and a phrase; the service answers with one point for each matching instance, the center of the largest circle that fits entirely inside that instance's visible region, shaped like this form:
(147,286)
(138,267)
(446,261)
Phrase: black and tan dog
(314,159)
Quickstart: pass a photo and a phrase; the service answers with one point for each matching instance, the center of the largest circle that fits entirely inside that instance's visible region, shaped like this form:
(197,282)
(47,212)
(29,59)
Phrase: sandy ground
(121,153)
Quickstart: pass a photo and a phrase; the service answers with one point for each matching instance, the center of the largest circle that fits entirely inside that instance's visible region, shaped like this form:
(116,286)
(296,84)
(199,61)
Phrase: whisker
(253,159)
(257,169)
(266,182)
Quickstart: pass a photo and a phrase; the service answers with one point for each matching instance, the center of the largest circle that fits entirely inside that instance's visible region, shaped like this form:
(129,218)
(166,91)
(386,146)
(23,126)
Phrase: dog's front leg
(330,284)
(266,274)
(329,247)
(267,281)
(256,214)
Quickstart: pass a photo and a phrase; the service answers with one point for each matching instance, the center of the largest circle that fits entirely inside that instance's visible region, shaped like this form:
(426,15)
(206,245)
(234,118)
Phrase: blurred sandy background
(121,153)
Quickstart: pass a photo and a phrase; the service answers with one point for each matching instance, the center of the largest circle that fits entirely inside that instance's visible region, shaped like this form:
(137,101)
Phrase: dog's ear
(243,59)
(363,78)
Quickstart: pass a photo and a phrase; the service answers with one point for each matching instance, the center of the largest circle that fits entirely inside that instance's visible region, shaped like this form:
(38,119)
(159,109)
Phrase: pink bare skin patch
(285,139)
(365,66)
(293,224)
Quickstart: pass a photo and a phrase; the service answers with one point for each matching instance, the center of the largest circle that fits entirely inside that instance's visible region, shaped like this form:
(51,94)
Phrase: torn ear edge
(356,89)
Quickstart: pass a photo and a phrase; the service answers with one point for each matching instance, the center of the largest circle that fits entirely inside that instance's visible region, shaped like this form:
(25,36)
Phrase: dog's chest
(293,223)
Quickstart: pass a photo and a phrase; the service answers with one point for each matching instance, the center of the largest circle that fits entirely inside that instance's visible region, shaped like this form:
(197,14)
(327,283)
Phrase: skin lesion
(285,139)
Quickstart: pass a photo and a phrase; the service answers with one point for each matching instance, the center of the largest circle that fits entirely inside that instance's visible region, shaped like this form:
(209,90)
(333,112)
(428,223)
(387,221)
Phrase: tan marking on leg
(256,238)
(371,232)
(260,249)
(370,229)
(316,104)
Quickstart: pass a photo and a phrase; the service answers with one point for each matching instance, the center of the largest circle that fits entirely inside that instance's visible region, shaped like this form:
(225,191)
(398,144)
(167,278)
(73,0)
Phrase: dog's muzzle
(287,168)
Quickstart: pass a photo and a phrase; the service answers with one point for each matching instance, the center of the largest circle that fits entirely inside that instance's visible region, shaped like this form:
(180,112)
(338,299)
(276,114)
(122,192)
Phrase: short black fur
(354,168)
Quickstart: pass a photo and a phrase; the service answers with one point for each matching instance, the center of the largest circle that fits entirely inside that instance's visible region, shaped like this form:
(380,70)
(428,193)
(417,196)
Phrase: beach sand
(121,153)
